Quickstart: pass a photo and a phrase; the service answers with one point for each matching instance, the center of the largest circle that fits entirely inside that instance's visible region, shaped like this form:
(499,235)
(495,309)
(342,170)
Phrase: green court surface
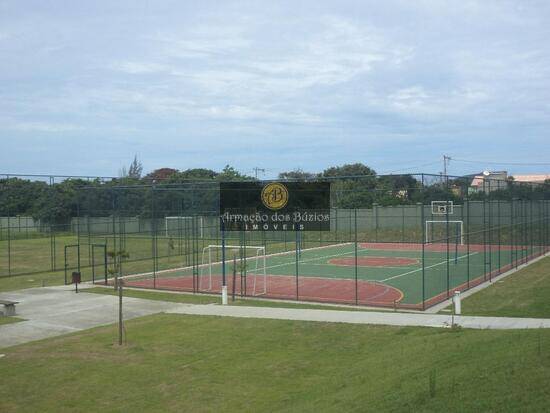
(373,273)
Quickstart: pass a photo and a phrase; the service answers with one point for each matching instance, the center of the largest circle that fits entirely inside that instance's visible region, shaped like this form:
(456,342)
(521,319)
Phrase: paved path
(365,317)
(54,311)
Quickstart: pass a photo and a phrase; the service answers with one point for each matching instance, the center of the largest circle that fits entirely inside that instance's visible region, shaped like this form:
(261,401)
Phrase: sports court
(378,274)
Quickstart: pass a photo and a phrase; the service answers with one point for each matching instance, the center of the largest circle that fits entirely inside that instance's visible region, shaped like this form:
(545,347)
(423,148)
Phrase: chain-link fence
(397,241)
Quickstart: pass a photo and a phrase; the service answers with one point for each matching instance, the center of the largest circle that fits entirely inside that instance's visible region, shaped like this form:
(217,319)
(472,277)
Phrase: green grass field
(191,363)
(523,294)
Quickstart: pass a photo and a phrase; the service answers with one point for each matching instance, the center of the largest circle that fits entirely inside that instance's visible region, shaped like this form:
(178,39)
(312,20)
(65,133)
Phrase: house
(535,178)
(488,181)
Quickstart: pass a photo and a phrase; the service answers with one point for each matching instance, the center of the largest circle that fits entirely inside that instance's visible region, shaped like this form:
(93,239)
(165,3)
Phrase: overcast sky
(85,85)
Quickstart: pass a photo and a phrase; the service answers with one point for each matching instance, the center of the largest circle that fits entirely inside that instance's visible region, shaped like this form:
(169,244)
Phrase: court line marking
(430,266)
(292,252)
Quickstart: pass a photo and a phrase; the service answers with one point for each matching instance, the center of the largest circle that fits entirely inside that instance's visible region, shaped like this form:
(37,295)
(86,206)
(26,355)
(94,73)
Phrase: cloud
(134,68)
(354,80)
(42,127)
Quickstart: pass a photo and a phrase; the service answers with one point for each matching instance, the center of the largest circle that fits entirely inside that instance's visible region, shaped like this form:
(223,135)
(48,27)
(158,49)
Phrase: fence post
(484,214)
(498,236)
(402,223)
(375,212)
(447,244)
(423,241)
(355,252)
(296,262)
(490,234)
(467,241)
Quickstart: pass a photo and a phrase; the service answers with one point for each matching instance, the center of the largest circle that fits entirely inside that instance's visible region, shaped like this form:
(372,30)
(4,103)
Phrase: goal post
(436,230)
(175,225)
(253,259)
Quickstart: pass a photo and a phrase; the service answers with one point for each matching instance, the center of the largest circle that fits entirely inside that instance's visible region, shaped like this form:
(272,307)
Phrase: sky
(279,85)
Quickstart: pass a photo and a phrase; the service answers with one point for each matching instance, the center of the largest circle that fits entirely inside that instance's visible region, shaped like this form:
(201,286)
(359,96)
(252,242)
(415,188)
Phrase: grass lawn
(9,320)
(192,363)
(19,282)
(207,299)
(523,294)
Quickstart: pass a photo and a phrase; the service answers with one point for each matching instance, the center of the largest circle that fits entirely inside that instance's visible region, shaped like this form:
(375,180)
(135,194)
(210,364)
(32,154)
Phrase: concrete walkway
(365,317)
(54,311)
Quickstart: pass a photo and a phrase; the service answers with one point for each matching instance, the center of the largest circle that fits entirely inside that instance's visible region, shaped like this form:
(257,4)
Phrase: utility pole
(446,160)
(256,170)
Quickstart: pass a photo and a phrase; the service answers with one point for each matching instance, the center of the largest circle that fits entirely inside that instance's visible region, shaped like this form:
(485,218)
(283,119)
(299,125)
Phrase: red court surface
(440,247)
(285,287)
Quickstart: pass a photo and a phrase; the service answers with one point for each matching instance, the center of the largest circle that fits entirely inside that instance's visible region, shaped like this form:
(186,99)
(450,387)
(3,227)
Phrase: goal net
(182,226)
(442,230)
(250,261)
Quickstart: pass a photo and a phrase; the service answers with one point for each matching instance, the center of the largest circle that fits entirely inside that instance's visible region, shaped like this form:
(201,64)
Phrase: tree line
(172,192)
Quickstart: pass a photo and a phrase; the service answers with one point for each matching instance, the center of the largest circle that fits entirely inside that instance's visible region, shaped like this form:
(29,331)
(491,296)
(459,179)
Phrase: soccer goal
(437,231)
(177,226)
(252,261)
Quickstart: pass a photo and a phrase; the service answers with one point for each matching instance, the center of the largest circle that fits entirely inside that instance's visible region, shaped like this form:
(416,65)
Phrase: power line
(502,163)
(412,167)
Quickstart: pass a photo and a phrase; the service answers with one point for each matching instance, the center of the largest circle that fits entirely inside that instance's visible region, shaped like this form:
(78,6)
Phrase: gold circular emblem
(275,195)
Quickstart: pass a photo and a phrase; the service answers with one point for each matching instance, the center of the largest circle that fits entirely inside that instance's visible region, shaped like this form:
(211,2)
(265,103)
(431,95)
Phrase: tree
(231,174)
(161,174)
(352,185)
(135,169)
(396,189)
(349,170)
(194,174)
(298,175)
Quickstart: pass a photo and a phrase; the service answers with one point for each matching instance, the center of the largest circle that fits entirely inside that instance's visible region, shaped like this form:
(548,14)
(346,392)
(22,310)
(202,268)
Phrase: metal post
(296,264)
(467,241)
(355,246)
(9,247)
(423,229)
(447,242)
(105,262)
(531,239)
(154,245)
(484,230)
(375,212)
(498,235)
(120,319)
(512,235)
(92,261)
(490,235)
(402,223)
(78,257)
(65,263)
(234,277)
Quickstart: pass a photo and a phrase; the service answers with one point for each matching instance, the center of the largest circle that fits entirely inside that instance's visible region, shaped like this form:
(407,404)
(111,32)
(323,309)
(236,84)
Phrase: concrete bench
(9,307)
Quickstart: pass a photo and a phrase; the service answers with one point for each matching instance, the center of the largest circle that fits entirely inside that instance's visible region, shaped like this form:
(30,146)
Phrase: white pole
(456,300)
(224,294)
